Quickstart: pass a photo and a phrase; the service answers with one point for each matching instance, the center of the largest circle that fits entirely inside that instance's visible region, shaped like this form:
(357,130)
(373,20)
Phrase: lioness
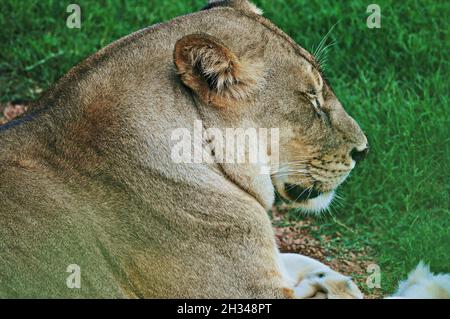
(88,178)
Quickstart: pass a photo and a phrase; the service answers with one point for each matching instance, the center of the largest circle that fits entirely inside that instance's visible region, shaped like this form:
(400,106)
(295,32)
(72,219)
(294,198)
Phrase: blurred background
(394,210)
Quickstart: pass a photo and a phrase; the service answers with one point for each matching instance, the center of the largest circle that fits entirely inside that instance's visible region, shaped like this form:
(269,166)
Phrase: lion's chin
(315,205)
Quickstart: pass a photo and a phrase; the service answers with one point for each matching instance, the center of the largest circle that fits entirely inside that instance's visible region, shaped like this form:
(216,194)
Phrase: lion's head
(272,82)
(319,143)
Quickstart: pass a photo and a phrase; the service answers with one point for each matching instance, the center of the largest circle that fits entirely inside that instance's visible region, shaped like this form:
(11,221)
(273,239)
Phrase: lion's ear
(214,72)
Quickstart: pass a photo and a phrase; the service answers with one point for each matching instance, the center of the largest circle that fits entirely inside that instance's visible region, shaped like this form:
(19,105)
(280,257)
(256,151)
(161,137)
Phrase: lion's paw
(312,279)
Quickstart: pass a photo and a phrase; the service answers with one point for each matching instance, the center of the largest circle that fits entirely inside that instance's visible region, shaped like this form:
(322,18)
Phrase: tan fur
(222,78)
(89,179)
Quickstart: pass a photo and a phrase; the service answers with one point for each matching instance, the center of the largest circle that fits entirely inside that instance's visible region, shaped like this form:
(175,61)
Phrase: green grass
(393,80)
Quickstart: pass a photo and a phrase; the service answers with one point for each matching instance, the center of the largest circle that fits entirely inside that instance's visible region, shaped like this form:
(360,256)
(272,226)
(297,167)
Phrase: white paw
(312,279)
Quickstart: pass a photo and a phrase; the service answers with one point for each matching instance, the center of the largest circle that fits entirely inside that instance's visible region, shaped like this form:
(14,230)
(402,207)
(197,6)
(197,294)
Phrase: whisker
(320,53)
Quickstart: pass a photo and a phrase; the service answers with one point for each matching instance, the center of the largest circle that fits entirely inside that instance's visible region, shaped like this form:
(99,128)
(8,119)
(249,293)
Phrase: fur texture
(312,279)
(423,284)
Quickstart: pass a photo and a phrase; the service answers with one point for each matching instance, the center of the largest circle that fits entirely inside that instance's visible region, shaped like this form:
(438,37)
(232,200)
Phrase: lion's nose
(358,155)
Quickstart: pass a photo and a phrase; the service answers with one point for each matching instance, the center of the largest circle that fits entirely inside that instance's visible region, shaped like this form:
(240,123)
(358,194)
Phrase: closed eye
(313,97)
(312,94)
(317,103)
(320,111)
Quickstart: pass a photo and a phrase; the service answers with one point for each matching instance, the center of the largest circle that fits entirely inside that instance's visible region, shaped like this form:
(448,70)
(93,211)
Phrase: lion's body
(136,227)
(89,179)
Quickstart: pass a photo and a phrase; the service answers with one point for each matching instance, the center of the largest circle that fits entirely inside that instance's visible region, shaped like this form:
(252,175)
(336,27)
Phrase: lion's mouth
(297,193)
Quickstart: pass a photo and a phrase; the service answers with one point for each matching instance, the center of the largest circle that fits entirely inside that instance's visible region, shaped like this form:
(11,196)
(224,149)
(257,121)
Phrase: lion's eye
(316,104)
(311,96)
